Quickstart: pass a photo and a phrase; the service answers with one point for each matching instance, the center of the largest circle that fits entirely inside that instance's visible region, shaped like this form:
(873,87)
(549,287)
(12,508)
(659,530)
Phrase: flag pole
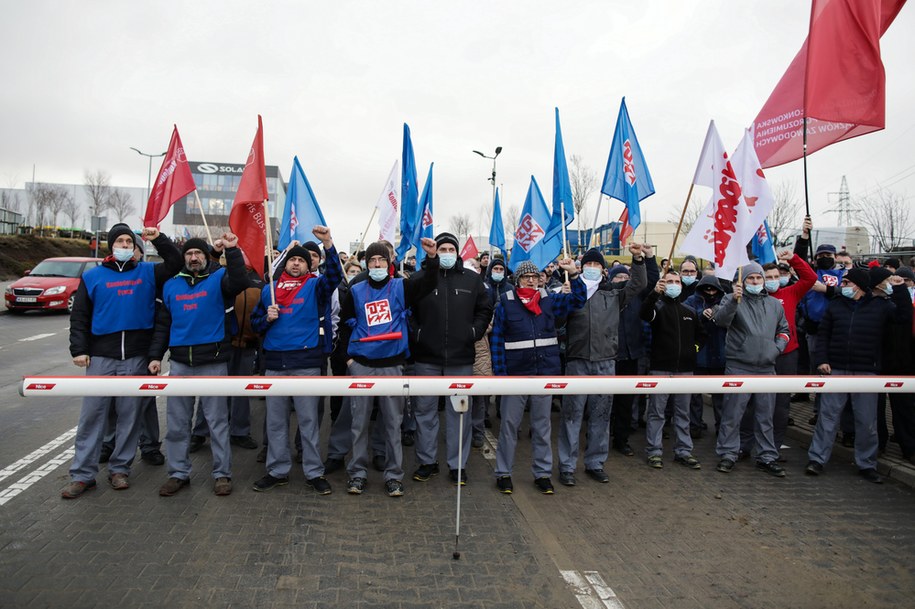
(203,216)
(367,227)
(269,234)
(596,219)
(806,194)
(677,234)
(565,244)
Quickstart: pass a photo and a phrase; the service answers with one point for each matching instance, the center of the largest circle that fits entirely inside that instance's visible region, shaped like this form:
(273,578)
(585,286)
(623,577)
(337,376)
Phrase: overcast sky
(335,81)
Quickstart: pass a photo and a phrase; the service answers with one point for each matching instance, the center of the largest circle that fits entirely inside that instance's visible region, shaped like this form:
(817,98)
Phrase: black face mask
(826,263)
(618,285)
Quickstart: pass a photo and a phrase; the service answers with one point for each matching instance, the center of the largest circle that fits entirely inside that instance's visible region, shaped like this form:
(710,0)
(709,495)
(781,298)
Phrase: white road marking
(36,337)
(36,454)
(26,481)
(591,591)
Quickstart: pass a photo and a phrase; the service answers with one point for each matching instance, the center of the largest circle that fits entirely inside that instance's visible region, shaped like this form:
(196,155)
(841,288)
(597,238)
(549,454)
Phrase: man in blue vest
(110,328)
(377,309)
(194,325)
(295,346)
(524,343)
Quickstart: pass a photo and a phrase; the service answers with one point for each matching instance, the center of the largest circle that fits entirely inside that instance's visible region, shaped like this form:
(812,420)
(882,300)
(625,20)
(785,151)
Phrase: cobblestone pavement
(649,539)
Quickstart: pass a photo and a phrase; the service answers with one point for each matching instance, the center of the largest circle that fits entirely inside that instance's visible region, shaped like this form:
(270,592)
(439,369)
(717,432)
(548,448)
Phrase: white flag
(757,196)
(714,234)
(388,205)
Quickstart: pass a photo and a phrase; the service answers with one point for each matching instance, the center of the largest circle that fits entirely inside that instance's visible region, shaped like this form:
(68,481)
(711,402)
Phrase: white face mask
(122,254)
(591,274)
(447,261)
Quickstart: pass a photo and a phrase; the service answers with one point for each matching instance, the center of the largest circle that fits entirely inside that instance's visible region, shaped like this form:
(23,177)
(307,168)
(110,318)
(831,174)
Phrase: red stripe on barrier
(732,384)
(894,385)
(646,385)
(41,386)
(153,386)
(258,386)
(815,384)
(555,385)
(361,385)
(460,385)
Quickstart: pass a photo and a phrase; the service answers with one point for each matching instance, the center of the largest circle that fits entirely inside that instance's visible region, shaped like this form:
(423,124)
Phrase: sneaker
(268,482)
(477,441)
(504,484)
(425,471)
(172,486)
(567,478)
(871,475)
(320,485)
(153,457)
(222,487)
(655,462)
(355,486)
(625,450)
(688,461)
(331,465)
(408,438)
(394,488)
(544,485)
(813,468)
(453,475)
(725,466)
(75,488)
(197,443)
(119,482)
(772,467)
(243,442)
(379,463)
(261,455)
(598,474)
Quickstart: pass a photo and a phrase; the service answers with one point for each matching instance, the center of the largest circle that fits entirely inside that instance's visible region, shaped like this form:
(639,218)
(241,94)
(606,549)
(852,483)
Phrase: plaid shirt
(562,305)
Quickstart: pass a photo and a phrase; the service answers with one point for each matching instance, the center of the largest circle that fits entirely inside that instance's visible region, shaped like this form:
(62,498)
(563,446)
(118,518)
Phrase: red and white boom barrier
(72,386)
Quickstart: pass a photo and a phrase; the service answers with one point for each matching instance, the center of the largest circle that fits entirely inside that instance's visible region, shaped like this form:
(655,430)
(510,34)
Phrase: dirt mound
(19,253)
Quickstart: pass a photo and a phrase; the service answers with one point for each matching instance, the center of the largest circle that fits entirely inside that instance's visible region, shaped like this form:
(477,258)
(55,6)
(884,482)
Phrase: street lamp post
(148,177)
(493,178)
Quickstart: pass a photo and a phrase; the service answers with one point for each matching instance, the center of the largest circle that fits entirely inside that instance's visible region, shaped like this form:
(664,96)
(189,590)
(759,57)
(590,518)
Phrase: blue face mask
(848,291)
(687,279)
(772,285)
(591,274)
(783,280)
(497,277)
(378,274)
(673,290)
(888,288)
(754,289)
(447,261)
(122,254)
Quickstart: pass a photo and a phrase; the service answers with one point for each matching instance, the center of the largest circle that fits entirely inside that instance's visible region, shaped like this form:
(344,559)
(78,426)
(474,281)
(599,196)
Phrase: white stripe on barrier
(467,385)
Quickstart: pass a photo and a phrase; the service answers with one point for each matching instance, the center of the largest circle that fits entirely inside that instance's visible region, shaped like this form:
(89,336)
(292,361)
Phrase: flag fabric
(173,182)
(779,126)
(470,249)
(531,242)
(713,235)
(496,228)
(388,205)
(248,216)
(424,223)
(563,207)
(757,201)
(626,230)
(409,195)
(302,212)
(626,177)
(762,245)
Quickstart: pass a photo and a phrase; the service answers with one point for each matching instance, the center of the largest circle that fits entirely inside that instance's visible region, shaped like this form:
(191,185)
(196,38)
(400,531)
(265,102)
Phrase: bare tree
(72,211)
(512,215)
(120,202)
(56,200)
(461,225)
(584,183)
(484,218)
(10,200)
(44,202)
(888,217)
(98,188)
(693,209)
(785,216)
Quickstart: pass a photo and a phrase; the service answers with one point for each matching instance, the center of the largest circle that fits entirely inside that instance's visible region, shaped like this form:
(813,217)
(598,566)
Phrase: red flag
(247,219)
(469,250)
(173,182)
(626,231)
(779,126)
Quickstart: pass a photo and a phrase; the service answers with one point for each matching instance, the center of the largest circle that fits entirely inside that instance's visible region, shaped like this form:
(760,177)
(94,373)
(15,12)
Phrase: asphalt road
(651,538)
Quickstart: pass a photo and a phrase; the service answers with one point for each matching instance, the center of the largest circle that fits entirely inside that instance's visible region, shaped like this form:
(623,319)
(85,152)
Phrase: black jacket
(128,343)
(233,283)
(852,333)
(446,323)
(897,348)
(676,333)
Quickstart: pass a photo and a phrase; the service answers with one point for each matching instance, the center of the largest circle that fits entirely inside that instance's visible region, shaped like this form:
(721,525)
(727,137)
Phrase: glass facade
(217,184)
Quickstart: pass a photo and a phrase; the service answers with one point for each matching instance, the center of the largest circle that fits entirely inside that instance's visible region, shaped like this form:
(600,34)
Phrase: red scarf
(530,298)
(287,287)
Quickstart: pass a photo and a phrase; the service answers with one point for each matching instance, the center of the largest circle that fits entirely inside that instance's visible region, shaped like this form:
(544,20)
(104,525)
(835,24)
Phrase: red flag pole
(673,245)
(269,234)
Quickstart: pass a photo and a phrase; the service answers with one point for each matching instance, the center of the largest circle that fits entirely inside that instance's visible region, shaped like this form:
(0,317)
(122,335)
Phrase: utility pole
(844,207)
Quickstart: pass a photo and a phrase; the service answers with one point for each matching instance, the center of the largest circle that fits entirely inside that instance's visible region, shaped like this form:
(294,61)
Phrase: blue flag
(762,245)
(302,212)
(627,178)
(496,229)
(424,220)
(409,195)
(531,241)
(563,207)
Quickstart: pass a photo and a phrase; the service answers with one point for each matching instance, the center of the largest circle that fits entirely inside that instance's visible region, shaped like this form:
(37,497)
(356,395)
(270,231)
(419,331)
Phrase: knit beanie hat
(860,277)
(617,270)
(526,268)
(195,243)
(117,230)
(377,249)
(446,238)
(593,255)
(301,252)
(878,275)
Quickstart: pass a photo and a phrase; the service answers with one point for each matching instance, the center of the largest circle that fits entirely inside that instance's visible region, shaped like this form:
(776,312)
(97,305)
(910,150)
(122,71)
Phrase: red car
(50,286)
